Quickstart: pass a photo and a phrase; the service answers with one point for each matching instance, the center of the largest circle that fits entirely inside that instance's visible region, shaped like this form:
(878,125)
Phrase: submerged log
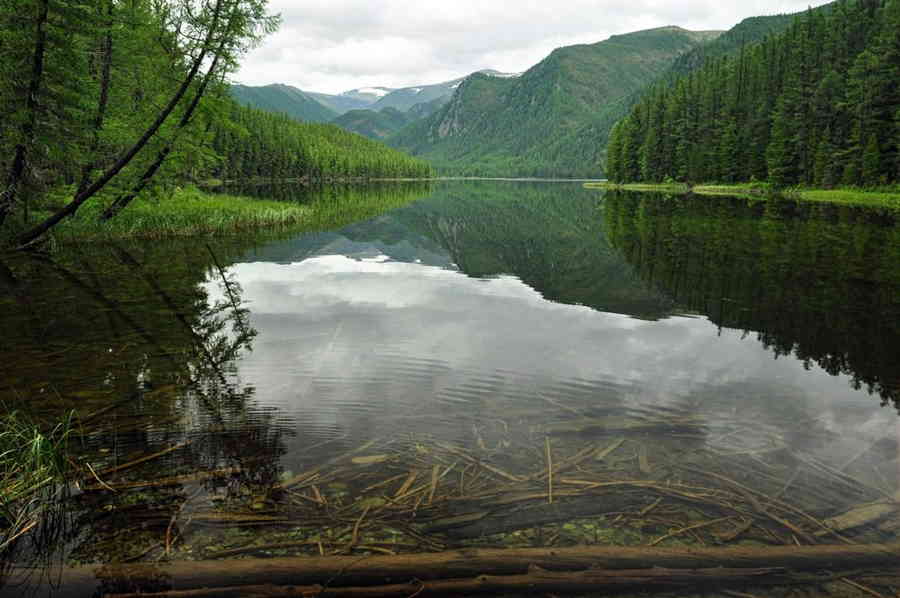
(535,581)
(862,515)
(486,523)
(458,564)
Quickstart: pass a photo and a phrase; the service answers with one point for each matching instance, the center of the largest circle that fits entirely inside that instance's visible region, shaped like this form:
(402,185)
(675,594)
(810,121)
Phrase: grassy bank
(655,187)
(191,212)
(185,213)
(847,196)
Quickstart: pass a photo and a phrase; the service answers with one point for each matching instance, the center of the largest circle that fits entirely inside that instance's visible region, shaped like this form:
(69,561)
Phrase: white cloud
(348,344)
(335,45)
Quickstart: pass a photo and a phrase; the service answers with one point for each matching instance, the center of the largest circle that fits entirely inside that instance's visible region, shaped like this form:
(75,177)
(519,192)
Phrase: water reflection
(816,282)
(431,315)
(403,382)
(148,360)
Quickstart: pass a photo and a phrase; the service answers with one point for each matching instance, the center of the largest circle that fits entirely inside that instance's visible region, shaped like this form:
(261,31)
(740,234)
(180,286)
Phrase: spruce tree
(871,162)
(780,155)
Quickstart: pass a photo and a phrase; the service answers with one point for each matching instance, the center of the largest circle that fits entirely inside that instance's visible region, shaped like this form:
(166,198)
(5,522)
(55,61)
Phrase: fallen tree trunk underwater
(466,566)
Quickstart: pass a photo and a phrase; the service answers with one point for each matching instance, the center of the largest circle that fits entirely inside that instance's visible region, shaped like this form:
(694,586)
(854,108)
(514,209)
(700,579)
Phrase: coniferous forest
(817,105)
(108,101)
(256,143)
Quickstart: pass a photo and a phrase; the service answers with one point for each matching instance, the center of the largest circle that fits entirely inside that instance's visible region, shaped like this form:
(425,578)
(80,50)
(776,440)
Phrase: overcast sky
(336,45)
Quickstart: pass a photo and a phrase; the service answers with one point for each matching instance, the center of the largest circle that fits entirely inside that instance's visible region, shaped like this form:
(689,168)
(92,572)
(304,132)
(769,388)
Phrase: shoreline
(841,196)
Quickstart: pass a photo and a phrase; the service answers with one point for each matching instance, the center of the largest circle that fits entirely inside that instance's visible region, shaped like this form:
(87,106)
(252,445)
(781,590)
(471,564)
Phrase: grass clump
(33,464)
(186,212)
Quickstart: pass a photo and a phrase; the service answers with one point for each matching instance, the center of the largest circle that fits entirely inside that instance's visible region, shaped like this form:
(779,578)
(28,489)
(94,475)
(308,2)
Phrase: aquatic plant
(33,465)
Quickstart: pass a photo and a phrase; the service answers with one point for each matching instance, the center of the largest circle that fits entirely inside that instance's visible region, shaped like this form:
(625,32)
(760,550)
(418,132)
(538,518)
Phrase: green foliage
(815,105)
(117,100)
(252,143)
(109,92)
(190,212)
(182,213)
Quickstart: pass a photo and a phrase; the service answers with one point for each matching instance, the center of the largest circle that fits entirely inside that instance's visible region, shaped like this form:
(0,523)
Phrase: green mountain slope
(407,98)
(372,124)
(748,31)
(285,99)
(402,107)
(516,126)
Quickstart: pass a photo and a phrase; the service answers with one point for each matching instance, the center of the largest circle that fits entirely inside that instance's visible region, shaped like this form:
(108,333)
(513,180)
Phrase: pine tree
(871,162)
(897,145)
(825,171)
(817,104)
(781,156)
(614,155)
(729,151)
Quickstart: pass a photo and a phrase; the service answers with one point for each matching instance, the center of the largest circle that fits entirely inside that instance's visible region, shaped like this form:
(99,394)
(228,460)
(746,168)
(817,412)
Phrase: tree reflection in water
(157,362)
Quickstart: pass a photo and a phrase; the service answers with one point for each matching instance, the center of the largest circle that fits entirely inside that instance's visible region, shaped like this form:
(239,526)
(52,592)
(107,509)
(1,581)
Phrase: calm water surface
(434,360)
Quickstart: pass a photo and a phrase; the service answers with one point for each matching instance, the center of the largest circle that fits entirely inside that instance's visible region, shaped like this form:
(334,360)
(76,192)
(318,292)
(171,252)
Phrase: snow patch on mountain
(375,91)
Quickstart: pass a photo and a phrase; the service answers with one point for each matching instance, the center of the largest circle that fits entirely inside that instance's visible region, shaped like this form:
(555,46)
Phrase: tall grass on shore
(185,213)
(33,467)
(191,212)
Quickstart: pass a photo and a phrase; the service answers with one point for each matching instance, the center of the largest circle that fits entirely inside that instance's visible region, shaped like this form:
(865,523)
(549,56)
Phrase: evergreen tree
(817,104)
(871,162)
(781,156)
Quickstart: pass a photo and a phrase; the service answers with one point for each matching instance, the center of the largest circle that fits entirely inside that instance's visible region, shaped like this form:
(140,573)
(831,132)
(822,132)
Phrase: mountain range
(546,122)
(417,101)
(552,120)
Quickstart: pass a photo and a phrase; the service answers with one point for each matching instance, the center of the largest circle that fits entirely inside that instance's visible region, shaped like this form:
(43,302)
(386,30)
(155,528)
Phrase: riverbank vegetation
(816,106)
(181,213)
(122,101)
(191,211)
(883,197)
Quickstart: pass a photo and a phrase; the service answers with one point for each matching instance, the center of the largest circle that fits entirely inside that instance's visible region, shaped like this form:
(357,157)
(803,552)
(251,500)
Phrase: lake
(492,364)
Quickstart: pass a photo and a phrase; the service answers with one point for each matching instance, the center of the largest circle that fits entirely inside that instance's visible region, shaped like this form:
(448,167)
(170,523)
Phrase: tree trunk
(35,233)
(102,103)
(20,161)
(123,200)
(460,564)
(536,580)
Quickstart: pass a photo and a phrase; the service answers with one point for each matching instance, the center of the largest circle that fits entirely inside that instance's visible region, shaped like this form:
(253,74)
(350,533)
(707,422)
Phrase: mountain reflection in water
(461,331)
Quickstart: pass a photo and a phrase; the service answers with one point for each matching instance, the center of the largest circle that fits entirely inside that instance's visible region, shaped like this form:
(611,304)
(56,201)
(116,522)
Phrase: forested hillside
(372,124)
(747,32)
(540,124)
(283,98)
(816,105)
(109,101)
(255,143)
